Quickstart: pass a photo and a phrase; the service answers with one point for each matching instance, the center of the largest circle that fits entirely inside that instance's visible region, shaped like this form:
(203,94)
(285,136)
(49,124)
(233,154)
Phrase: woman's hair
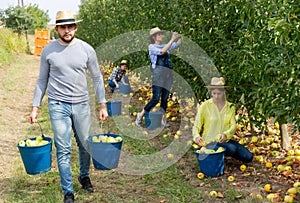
(152,41)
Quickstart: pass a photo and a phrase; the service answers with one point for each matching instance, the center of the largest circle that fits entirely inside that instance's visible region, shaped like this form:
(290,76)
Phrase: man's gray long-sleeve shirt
(63,69)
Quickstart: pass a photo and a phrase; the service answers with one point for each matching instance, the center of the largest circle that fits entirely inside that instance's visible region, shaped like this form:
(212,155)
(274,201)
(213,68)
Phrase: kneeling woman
(216,122)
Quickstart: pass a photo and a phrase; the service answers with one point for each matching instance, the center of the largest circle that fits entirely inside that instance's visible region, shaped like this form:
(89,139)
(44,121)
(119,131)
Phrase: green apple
(292,191)
(280,168)
(39,139)
(288,199)
(179,132)
(297,185)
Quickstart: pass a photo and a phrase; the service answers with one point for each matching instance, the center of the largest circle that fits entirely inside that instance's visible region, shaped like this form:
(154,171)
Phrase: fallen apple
(288,199)
(200,175)
(268,188)
(269,165)
(213,194)
(170,156)
(230,178)
(292,191)
(243,167)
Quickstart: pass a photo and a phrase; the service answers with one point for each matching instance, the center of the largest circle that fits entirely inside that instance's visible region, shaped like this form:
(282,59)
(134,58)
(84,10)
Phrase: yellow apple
(173,118)
(22,143)
(268,187)
(179,132)
(243,167)
(186,127)
(297,152)
(170,156)
(230,178)
(213,194)
(200,175)
(269,165)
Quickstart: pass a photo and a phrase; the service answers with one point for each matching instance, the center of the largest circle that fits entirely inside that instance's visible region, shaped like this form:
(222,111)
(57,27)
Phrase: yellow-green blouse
(214,122)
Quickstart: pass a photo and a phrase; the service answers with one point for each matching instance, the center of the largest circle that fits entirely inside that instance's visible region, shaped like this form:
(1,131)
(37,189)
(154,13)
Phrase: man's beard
(66,41)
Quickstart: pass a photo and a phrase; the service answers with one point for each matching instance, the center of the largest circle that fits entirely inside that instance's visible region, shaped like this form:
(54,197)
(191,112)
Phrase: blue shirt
(155,49)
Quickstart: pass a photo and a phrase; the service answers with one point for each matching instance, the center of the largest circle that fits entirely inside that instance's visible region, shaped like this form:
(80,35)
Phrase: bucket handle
(41,129)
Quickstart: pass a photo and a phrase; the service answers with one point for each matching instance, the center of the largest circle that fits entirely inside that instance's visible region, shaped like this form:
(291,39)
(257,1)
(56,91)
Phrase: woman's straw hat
(217,82)
(154,31)
(65,17)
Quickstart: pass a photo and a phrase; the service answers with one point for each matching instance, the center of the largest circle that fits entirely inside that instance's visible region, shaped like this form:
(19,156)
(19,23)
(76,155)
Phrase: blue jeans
(112,85)
(158,92)
(236,150)
(66,117)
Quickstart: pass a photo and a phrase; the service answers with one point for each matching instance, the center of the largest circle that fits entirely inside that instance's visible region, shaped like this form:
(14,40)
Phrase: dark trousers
(162,79)
(236,150)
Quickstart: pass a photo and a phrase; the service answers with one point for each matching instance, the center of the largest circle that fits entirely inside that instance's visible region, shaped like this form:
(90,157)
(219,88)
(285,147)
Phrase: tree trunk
(285,139)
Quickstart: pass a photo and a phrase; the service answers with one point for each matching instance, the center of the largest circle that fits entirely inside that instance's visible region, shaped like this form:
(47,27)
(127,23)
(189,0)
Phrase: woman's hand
(222,137)
(175,35)
(200,141)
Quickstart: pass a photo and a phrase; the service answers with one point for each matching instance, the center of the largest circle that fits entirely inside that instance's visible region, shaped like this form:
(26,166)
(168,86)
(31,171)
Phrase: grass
(177,183)
(10,46)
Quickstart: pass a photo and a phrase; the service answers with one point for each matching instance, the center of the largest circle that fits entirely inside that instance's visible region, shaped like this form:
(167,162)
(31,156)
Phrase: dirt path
(16,92)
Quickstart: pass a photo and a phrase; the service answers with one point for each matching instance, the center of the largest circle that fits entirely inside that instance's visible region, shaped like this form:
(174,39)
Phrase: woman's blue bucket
(124,89)
(153,120)
(212,165)
(105,155)
(114,108)
(37,159)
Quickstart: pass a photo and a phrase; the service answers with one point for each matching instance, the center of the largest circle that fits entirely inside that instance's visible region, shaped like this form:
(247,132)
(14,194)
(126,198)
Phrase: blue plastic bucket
(105,155)
(114,108)
(124,89)
(153,120)
(37,159)
(212,165)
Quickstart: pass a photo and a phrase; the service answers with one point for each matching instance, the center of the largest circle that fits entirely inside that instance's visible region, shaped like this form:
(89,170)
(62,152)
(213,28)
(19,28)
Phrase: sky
(51,5)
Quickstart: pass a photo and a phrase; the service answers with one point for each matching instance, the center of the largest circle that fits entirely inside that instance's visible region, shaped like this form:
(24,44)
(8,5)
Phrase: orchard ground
(177,183)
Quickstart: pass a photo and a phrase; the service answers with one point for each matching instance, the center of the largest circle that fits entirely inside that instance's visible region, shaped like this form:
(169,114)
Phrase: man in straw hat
(63,70)
(162,73)
(216,117)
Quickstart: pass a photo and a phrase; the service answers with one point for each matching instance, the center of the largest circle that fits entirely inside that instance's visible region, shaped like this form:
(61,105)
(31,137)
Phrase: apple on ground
(200,175)
(268,187)
(292,191)
(243,167)
(213,193)
(288,199)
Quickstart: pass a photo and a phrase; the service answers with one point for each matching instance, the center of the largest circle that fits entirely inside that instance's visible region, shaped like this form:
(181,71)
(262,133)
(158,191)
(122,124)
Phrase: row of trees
(253,44)
(24,19)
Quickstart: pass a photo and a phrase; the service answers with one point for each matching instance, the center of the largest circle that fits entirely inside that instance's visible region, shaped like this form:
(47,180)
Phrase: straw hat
(65,17)
(217,82)
(124,62)
(155,30)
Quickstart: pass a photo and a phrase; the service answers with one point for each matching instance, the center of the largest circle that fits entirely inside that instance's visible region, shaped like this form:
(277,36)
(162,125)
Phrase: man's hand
(33,115)
(103,112)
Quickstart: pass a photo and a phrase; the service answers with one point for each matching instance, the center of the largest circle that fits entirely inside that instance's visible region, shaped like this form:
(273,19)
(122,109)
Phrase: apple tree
(254,45)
